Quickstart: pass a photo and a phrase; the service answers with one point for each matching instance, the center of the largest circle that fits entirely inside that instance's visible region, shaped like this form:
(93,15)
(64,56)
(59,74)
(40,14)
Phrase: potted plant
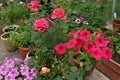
(5,40)
(22,41)
(116,23)
(17,69)
(112,68)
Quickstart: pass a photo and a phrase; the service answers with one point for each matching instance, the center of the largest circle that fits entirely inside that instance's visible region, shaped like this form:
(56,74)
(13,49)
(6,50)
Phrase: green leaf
(73,69)
(80,78)
(89,66)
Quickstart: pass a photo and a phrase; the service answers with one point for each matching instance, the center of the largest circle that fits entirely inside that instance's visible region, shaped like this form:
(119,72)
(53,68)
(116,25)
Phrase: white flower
(21,3)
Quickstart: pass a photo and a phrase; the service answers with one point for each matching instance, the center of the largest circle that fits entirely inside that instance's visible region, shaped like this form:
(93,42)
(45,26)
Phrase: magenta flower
(61,48)
(9,63)
(41,25)
(99,41)
(100,34)
(107,53)
(78,20)
(58,13)
(3,70)
(96,53)
(80,42)
(85,35)
(71,34)
(24,69)
(89,46)
(71,44)
(78,33)
(34,5)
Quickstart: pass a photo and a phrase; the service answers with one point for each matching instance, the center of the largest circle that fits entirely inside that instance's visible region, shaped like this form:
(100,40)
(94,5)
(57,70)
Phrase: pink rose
(58,13)
(41,25)
(34,5)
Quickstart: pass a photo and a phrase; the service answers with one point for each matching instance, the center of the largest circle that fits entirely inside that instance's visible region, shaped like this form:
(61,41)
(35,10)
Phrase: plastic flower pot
(23,52)
(6,43)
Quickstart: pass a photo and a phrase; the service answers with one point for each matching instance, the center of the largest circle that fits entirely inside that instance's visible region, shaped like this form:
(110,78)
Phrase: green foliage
(115,39)
(20,39)
(95,13)
(13,12)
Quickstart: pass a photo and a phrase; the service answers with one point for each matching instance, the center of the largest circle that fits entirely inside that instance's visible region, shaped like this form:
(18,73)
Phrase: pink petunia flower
(96,53)
(61,48)
(85,34)
(100,34)
(71,34)
(24,69)
(78,33)
(58,13)
(80,42)
(9,77)
(41,25)
(14,72)
(71,44)
(99,41)
(34,71)
(34,5)
(9,63)
(3,70)
(107,53)
(89,46)
(30,75)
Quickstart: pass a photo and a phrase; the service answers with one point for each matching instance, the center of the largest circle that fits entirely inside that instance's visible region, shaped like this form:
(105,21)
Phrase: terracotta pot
(116,25)
(109,68)
(23,52)
(5,41)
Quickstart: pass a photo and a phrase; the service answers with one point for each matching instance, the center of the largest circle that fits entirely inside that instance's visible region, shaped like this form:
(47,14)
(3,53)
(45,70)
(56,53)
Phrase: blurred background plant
(14,12)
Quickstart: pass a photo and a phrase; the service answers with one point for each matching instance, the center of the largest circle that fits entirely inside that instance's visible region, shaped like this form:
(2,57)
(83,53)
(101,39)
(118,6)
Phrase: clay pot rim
(16,26)
(6,33)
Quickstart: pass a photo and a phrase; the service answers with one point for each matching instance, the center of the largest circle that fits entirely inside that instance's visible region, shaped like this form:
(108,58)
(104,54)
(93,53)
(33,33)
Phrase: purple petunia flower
(78,21)
(85,22)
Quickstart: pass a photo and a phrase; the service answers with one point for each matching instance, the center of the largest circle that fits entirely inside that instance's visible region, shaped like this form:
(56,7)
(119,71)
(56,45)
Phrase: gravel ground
(4,53)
